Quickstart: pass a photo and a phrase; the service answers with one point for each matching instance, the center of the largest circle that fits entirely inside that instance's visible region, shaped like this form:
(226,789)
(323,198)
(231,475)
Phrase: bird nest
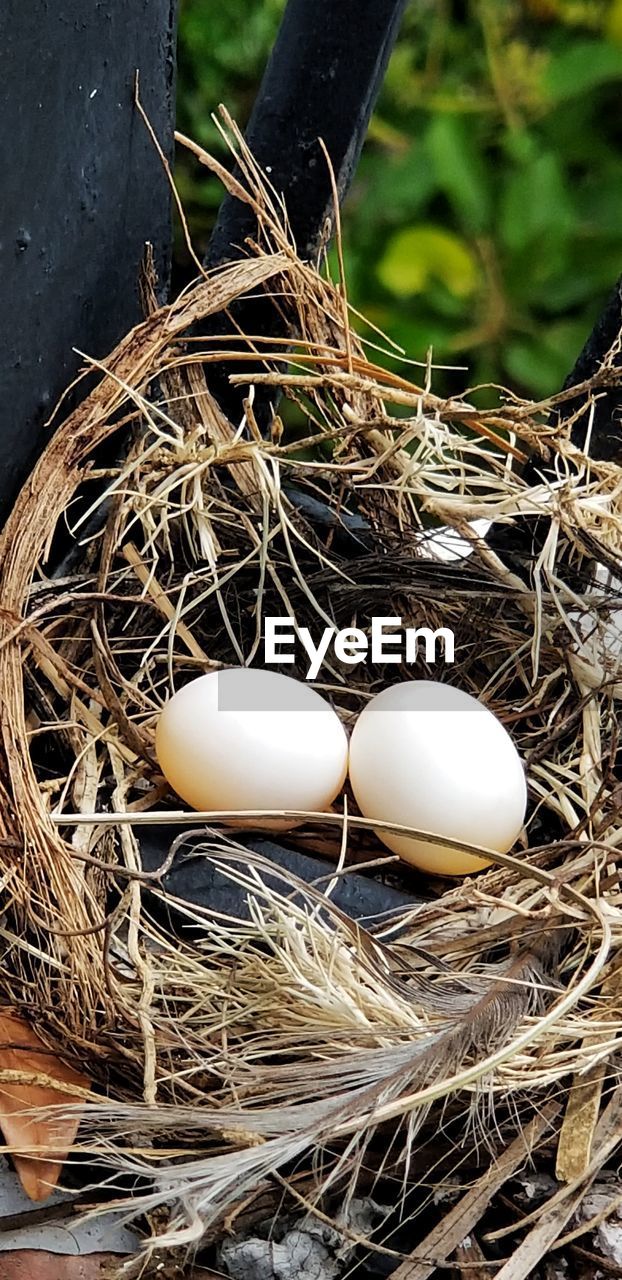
(284,1055)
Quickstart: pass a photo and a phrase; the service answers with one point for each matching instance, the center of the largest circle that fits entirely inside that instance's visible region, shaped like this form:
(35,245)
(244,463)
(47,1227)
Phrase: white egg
(430,756)
(248,739)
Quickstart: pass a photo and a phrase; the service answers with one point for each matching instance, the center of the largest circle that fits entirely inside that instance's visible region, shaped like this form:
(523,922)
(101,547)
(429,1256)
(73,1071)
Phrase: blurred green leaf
(544,362)
(417,255)
(599,202)
(613,21)
(392,188)
(532,365)
(582,66)
(459,171)
(535,198)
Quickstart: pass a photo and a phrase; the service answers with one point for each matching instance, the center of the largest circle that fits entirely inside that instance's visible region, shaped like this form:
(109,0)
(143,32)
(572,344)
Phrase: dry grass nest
(293,1056)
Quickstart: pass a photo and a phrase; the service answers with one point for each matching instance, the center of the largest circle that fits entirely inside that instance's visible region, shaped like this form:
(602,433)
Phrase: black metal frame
(82,190)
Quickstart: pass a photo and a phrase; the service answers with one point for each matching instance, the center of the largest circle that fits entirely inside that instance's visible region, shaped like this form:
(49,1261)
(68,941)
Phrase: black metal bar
(195,878)
(606,425)
(520,544)
(82,191)
(322,81)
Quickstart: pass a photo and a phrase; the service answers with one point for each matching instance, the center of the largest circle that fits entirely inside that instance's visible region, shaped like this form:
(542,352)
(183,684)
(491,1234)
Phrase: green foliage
(585,65)
(416,256)
(486,216)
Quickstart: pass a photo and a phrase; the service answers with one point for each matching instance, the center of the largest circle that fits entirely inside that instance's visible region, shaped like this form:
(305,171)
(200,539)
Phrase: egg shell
(430,756)
(244,738)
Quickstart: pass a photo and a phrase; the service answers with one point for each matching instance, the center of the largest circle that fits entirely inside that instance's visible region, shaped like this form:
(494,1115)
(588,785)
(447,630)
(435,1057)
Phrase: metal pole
(83,189)
(321,81)
(520,545)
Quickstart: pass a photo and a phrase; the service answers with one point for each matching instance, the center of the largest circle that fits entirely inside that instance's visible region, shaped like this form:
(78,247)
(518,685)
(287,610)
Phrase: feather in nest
(314,1039)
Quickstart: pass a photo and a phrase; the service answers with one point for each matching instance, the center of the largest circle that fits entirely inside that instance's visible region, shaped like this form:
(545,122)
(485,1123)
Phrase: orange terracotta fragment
(21,1049)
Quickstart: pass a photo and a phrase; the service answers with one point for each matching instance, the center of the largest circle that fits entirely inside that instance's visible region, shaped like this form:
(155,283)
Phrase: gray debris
(557,1269)
(535,1187)
(448,1191)
(608,1235)
(299,1256)
(306,1249)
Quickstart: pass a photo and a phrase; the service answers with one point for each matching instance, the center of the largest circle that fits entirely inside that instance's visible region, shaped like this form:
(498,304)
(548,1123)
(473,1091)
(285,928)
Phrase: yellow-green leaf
(416,255)
(613,22)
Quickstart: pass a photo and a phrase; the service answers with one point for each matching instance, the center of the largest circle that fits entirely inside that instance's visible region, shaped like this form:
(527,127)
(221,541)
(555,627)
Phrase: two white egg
(422,754)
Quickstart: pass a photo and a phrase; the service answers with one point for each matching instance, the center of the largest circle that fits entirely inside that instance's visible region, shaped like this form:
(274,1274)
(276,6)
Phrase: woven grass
(297,1055)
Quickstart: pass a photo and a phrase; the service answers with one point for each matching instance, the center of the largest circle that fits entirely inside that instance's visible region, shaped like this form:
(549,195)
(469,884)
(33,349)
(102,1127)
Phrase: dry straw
(291,1055)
